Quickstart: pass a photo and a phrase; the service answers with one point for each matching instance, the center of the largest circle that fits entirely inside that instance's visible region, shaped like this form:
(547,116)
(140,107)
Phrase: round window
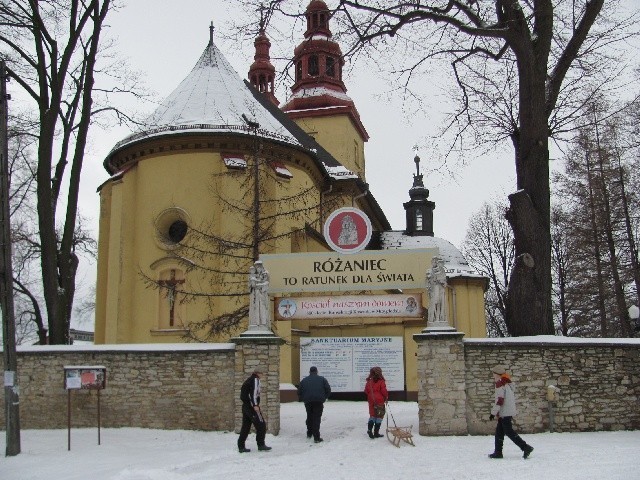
(172,226)
(177,231)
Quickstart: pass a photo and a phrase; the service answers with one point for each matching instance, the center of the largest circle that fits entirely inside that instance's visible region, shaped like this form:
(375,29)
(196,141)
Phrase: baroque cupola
(419,209)
(262,72)
(318,89)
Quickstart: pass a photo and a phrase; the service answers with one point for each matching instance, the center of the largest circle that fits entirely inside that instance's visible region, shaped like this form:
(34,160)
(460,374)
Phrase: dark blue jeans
(504,427)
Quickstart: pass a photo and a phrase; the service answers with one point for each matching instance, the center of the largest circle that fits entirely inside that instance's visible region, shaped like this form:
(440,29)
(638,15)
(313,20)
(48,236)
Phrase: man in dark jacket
(313,391)
(251,413)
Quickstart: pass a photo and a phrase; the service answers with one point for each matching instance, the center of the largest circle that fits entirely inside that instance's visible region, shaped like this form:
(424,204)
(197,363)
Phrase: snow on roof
(319,91)
(340,172)
(455,263)
(212,97)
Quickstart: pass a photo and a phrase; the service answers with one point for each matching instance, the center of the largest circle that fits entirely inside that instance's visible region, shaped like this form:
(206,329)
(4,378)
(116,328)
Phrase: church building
(223,174)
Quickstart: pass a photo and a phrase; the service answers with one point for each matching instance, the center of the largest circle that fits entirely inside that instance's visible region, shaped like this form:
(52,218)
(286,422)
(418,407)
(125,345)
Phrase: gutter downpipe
(322,194)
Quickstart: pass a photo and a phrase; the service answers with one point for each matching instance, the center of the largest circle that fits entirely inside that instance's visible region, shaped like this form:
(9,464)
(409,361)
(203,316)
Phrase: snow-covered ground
(346,453)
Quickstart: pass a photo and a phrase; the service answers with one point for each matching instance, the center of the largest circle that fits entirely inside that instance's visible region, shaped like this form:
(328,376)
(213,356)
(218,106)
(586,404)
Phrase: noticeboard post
(83,377)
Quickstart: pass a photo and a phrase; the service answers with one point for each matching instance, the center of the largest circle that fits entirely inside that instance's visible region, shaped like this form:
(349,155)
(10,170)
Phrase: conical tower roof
(212,98)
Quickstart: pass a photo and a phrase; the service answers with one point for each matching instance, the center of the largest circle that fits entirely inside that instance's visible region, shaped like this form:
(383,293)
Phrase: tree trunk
(529,294)
(602,311)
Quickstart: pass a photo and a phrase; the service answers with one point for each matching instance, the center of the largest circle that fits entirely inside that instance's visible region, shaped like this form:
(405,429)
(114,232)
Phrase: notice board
(345,361)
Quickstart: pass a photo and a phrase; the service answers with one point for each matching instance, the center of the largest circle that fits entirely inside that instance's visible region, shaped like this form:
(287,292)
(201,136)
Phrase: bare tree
(52,49)
(520,67)
(597,245)
(606,177)
(489,248)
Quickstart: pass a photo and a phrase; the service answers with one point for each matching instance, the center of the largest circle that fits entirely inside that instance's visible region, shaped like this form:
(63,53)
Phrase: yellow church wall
(104,225)
(411,358)
(468,314)
(135,202)
(192,186)
(339,137)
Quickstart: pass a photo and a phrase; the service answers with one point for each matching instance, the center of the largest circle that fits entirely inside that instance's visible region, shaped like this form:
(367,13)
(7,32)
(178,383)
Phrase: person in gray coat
(314,390)
(504,407)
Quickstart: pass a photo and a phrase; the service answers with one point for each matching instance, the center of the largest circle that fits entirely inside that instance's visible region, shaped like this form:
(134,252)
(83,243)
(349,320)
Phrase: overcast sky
(163,39)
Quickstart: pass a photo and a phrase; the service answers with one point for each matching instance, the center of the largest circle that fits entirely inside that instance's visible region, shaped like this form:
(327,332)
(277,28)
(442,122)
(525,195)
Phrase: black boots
(373,429)
(527,451)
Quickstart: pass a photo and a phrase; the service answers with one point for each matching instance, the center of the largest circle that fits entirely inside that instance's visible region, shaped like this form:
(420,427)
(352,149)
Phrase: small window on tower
(298,71)
(323,21)
(313,65)
(418,220)
(331,67)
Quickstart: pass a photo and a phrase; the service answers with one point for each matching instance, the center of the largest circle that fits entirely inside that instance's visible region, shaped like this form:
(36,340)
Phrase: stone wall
(166,387)
(441,392)
(599,382)
(262,353)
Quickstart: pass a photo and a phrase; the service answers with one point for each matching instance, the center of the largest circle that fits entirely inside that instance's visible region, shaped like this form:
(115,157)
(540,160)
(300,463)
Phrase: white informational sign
(9,378)
(345,361)
(397,305)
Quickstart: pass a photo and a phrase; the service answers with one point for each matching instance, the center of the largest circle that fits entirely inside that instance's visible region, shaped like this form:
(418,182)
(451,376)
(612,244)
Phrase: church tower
(319,103)
(419,209)
(262,72)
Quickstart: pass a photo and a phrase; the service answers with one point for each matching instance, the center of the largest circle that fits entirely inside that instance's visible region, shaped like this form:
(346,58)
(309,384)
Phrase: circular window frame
(163,222)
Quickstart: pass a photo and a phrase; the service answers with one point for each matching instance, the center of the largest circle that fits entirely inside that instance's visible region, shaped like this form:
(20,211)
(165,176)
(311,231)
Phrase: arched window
(418,220)
(331,67)
(313,65)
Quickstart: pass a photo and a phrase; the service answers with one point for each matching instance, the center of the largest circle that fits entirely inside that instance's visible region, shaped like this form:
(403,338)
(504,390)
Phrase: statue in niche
(437,287)
(259,318)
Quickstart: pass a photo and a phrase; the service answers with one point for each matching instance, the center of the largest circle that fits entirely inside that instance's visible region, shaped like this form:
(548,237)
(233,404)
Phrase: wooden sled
(397,434)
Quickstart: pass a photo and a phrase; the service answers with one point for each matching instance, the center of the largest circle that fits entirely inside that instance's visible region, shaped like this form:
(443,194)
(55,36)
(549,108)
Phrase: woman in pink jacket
(377,396)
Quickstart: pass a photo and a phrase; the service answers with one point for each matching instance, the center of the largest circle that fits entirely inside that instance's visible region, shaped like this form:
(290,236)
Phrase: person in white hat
(504,408)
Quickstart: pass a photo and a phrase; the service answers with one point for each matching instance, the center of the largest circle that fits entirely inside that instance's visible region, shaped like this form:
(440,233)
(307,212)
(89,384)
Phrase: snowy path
(346,453)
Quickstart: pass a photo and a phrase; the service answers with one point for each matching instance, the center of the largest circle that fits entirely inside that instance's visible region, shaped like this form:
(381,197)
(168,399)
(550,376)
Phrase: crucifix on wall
(171,286)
